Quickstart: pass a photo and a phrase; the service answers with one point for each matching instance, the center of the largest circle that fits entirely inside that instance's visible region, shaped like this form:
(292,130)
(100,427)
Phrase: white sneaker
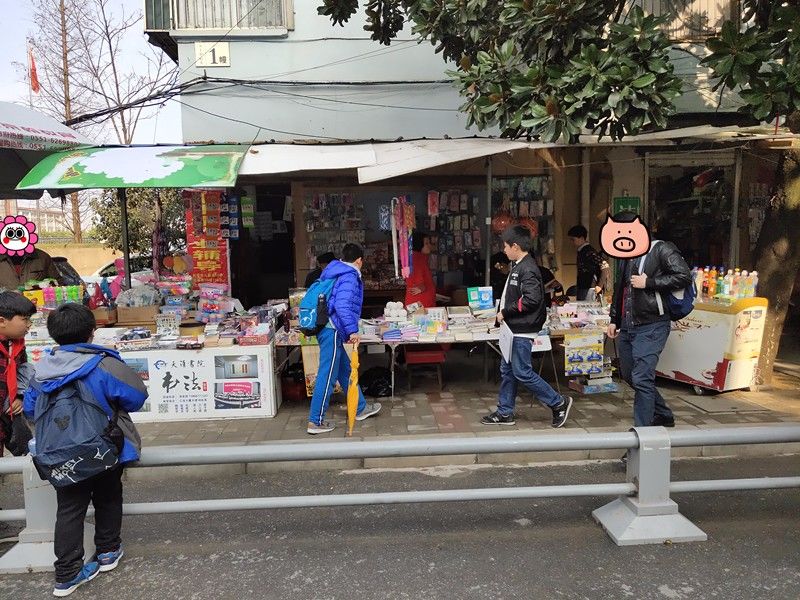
(370,410)
(325,427)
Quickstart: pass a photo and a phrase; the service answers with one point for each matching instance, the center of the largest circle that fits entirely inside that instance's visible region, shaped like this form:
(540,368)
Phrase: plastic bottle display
(719,284)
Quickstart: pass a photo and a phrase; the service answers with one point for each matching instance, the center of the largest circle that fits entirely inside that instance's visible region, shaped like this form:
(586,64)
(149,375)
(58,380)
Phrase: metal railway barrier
(643,513)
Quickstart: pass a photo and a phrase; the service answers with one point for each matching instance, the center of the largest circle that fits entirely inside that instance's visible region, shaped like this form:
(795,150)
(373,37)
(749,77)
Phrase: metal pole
(682,438)
(122,196)
(554,491)
(586,191)
(727,485)
(487,278)
(273,452)
(733,251)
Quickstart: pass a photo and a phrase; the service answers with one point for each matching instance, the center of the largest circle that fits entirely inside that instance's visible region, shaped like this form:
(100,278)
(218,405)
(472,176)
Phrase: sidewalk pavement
(456,411)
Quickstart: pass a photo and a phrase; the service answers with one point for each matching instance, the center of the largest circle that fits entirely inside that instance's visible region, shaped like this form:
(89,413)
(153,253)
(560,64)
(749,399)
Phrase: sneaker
(561,412)
(497,419)
(659,421)
(87,573)
(108,561)
(325,427)
(369,411)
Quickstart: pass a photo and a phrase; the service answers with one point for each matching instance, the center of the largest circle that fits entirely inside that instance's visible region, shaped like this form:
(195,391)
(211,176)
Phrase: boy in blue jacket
(117,388)
(344,312)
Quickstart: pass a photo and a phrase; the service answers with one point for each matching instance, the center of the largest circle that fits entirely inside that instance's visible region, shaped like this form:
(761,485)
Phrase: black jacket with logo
(525,309)
(666,272)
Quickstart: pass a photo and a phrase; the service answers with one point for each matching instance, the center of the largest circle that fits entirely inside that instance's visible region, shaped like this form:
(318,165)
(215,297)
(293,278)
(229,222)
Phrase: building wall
(316,53)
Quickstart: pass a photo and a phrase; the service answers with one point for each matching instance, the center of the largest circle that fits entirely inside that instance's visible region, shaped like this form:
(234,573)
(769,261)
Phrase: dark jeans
(520,370)
(105,493)
(639,348)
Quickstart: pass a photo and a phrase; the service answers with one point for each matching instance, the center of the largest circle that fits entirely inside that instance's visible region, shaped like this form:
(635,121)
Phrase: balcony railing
(165,15)
(692,20)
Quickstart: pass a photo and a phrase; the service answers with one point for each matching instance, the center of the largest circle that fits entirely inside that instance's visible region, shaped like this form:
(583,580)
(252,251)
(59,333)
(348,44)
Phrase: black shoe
(497,419)
(660,421)
(561,412)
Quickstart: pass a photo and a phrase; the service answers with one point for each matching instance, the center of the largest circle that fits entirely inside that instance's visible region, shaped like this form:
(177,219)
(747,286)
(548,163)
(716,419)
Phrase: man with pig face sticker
(639,318)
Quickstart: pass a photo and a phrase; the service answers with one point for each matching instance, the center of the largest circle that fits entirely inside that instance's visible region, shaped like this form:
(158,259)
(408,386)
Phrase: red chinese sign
(208,249)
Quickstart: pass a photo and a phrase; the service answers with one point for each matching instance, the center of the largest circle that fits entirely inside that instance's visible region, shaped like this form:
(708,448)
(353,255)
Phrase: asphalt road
(537,549)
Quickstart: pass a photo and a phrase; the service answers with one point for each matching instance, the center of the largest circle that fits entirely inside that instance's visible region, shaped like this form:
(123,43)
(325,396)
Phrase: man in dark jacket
(593,270)
(344,312)
(523,309)
(17,270)
(640,319)
(323,260)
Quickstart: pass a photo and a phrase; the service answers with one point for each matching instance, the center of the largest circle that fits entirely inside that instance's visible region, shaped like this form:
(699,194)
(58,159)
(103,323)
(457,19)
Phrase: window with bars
(692,20)
(165,15)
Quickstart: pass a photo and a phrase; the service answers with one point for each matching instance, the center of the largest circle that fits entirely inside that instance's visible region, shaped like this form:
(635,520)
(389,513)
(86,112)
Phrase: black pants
(105,493)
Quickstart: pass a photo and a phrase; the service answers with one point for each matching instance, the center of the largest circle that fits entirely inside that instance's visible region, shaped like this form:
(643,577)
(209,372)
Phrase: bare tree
(83,68)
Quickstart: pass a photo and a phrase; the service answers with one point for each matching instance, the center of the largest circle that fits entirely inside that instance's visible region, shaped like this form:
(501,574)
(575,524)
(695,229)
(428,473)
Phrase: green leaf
(643,81)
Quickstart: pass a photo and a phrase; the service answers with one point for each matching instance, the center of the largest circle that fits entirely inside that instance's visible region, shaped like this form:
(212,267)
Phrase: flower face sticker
(17,236)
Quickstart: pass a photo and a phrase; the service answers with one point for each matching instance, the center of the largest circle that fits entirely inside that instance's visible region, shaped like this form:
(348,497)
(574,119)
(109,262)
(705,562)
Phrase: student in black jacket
(523,309)
(639,319)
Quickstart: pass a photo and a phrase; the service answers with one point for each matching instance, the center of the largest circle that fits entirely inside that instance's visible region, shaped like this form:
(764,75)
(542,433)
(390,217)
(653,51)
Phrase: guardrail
(643,513)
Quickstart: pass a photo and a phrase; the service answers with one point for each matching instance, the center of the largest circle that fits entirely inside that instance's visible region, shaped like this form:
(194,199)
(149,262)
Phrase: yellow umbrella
(352,391)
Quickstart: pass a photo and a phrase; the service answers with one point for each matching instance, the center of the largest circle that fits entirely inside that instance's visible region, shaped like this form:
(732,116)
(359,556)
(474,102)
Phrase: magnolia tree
(552,69)
(759,62)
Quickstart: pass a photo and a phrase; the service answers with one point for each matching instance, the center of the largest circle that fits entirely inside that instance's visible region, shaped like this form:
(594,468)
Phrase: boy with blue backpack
(79,402)
(331,310)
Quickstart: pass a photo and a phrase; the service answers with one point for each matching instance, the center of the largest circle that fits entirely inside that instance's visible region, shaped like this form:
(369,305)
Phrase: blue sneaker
(87,573)
(109,560)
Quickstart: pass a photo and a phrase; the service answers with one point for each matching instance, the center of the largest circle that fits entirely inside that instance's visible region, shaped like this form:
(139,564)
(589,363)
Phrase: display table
(717,346)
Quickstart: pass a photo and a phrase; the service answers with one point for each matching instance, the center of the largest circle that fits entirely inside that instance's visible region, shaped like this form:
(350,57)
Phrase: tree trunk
(777,256)
(77,228)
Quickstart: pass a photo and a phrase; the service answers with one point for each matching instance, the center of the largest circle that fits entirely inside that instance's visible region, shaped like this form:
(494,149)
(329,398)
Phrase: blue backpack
(75,439)
(679,302)
(314,307)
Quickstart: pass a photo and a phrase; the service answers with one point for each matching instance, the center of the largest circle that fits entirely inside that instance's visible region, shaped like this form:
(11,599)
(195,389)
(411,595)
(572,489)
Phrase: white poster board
(212,383)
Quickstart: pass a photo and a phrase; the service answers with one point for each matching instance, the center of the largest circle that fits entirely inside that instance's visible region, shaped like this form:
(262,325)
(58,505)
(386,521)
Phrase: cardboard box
(480,298)
(105,316)
(139,314)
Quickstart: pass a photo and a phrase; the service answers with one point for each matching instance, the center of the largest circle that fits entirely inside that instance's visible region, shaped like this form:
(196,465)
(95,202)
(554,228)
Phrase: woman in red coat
(419,285)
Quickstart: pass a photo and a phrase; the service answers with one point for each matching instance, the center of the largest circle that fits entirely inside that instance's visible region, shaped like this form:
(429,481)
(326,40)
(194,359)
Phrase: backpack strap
(644,258)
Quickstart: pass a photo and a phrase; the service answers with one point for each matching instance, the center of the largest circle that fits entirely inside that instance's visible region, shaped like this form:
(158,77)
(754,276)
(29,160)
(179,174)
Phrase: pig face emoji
(625,240)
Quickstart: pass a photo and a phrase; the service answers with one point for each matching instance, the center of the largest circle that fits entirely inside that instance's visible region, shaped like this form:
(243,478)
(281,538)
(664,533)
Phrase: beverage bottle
(737,279)
(712,282)
(705,282)
(32,447)
(698,279)
(720,281)
(727,282)
(754,284)
(742,285)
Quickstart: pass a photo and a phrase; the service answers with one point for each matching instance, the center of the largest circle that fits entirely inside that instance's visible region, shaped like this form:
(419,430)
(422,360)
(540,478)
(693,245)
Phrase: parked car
(141,268)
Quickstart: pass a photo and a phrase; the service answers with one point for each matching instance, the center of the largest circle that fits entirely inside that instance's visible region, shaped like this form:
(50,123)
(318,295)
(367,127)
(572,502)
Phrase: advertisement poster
(207,246)
(206,384)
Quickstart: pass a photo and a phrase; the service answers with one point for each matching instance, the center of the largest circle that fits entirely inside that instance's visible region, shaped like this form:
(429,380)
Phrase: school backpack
(679,302)
(314,307)
(75,439)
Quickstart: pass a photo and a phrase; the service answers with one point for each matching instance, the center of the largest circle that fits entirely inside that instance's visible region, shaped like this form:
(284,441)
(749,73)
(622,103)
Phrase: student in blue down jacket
(116,388)
(344,311)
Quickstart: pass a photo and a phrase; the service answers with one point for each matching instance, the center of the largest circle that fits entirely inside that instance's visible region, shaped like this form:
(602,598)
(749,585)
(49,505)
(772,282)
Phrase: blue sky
(17,23)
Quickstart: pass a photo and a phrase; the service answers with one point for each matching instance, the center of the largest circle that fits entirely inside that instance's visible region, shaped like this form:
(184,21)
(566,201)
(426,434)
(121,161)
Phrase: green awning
(137,167)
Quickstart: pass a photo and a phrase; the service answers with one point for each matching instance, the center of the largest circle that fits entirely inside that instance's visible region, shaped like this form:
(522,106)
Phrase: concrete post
(650,517)
(34,551)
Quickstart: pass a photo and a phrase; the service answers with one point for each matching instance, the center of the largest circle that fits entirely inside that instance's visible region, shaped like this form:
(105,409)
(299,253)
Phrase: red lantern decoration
(501,221)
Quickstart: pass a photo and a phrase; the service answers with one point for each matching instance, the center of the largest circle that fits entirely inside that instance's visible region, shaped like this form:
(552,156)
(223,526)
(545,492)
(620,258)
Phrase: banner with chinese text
(204,240)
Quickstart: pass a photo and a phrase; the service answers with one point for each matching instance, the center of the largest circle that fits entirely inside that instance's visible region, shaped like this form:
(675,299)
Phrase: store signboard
(627,204)
(211,383)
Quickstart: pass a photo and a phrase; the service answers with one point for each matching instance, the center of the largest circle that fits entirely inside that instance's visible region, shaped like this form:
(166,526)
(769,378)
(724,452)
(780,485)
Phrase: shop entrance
(691,202)
(262,260)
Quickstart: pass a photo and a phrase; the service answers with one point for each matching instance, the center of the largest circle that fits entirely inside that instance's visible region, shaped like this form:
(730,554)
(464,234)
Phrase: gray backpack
(75,439)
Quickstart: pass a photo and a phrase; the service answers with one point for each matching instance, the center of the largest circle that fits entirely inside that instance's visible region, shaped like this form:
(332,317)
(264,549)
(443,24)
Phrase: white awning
(26,137)
(268,159)
(401,158)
